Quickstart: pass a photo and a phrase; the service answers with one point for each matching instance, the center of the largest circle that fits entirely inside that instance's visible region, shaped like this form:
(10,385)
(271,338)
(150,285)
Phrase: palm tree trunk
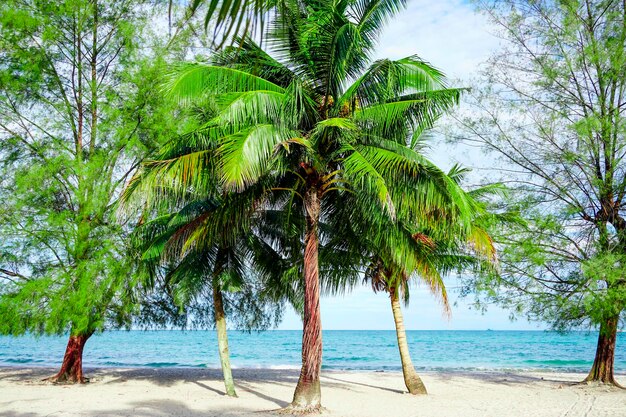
(71,371)
(602,369)
(412,381)
(222,339)
(307,396)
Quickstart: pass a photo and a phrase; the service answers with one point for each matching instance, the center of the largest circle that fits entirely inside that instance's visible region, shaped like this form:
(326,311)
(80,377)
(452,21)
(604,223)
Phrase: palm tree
(311,122)
(206,246)
(434,259)
(428,253)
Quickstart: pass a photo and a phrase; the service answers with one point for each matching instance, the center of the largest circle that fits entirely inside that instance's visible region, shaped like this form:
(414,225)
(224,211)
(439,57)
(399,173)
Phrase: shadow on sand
(506,378)
(207,379)
(160,408)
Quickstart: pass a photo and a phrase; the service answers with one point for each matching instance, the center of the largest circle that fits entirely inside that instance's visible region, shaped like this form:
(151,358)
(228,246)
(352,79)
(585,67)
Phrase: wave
(560,361)
(268,366)
(20,360)
(161,364)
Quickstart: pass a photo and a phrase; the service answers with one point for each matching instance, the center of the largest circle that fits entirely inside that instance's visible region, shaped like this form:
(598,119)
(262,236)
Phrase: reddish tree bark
(72,367)
(307,397)
(603,365)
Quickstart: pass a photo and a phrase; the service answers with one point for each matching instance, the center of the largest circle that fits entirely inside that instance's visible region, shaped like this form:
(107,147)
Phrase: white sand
(196,392)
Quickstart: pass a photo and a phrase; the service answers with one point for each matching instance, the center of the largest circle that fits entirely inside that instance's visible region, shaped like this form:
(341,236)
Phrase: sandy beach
(200,392)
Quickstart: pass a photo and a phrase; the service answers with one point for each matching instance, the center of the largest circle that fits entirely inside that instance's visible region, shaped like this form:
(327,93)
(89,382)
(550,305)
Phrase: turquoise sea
(343,349)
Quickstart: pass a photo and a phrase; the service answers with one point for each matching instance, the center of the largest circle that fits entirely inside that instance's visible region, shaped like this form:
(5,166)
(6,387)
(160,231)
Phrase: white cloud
(454,38)
(448,34)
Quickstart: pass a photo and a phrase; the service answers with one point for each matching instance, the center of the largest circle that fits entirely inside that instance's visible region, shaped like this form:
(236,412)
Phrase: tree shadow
(155,408)
(26,375)
(247,388)
(397,391)
(205,386)
(170,376)
(15,414)
(504,378)
(178,408)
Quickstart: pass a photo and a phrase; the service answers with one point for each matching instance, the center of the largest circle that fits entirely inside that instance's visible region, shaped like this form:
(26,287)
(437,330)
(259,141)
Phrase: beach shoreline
(193,392)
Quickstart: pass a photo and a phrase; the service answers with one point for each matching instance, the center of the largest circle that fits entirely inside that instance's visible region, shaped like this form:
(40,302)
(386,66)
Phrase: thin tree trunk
(412,381)
(307,396)
(222,339)
(602,369)
(72,367)
(94,81)
(78,93)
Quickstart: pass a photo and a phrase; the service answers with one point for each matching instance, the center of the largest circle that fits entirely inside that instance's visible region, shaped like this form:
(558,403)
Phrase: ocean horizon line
(358,330)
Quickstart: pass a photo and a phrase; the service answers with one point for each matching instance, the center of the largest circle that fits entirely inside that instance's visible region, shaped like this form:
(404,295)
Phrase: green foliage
(182,283)
(306,112)
(552,107)
(75,119)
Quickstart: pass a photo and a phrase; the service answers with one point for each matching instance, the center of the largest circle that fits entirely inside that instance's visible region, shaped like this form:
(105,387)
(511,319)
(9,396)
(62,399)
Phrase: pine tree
(78,110)
(552,107)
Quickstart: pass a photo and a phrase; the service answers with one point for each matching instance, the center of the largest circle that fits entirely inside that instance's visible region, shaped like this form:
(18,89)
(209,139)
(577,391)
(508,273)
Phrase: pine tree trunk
(307,396)
(412,381)
(222,339)
(71,371)
(602,369)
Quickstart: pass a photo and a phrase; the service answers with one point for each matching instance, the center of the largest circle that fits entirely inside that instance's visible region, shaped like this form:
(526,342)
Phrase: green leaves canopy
(310,110)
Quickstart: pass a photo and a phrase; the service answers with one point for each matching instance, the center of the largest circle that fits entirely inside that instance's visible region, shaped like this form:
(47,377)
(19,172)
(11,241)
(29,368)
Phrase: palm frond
(189,81)
(385,80)
(362,173)
(246,155)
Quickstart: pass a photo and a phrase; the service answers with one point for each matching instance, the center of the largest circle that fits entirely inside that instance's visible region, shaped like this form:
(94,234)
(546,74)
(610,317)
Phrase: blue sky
(455,39)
